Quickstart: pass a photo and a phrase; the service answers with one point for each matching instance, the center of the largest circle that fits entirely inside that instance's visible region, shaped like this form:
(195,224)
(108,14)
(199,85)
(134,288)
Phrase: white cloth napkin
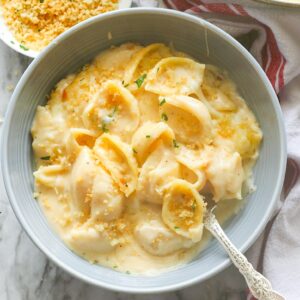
(272,35)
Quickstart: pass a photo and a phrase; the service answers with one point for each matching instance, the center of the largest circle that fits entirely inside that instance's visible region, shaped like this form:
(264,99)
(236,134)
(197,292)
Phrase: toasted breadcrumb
(35,23)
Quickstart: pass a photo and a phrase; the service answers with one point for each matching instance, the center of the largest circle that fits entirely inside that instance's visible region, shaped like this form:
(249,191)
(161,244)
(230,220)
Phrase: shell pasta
(130,149)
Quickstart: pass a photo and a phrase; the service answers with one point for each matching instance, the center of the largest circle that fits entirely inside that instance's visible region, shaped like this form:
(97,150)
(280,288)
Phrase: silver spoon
(259,286)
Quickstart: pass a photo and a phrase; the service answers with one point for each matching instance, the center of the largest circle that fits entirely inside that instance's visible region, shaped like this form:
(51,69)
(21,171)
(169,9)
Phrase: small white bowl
(7,37)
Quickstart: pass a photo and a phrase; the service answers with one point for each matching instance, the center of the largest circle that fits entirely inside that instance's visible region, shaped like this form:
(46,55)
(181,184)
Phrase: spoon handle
(259,286)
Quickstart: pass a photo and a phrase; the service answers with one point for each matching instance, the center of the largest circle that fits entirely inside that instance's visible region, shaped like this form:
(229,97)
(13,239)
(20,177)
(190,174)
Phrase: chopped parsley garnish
(164,117)
(163,101)
(23,47)
(157,70)
(125,85)
(194,205)
(115,110)
(104,127)
(148,136)
(176,227)
(12,42)
(140,80)
(127,272)
(45,157)
(175,144)
(115,266)
(134,151)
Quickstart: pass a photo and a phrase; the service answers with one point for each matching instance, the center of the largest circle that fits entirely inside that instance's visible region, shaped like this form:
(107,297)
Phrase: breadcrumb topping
(35,23)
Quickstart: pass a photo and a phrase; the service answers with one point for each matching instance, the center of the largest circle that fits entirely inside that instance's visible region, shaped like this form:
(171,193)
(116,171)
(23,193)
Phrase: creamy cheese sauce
(131,148)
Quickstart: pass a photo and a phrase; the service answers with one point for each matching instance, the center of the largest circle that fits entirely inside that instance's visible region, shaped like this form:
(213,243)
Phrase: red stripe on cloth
(214,7)
(223,8)
(194,2)
(276,56)
(167,4)
(278,73)
(240,9)
(199,9)
(198,1)
(220,8)
(170,4)
(181,4)
(185,5)
(281,74)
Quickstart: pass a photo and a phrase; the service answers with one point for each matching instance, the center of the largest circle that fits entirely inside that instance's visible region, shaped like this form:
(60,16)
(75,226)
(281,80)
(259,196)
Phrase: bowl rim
(8,38)
(168,13)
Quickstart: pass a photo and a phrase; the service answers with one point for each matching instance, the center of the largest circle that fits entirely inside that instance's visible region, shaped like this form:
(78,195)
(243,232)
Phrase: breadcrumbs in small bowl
(28,26)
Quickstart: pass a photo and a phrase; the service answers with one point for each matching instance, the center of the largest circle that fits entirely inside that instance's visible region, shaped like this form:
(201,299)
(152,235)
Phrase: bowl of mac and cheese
(122,133)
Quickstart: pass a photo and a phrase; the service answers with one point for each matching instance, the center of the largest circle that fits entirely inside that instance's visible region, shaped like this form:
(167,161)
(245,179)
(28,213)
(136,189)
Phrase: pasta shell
(159,240)
(81,182)
(145,139)
(188,118)
(148,105)
(183,210)
(50,176)
(160,168)
(49,132)
(107,200)
(88,239)
(117,59)
(189,172)
(229,186)
(145,59)
(175,75)
(117,158)
(78,138)
(114,109)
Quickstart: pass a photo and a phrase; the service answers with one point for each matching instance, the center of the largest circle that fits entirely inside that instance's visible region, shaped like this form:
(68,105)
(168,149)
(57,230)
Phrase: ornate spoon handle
(259,286)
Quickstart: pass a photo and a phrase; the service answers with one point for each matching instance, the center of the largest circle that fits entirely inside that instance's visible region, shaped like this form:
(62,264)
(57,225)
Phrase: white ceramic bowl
(7,37)
(78,46)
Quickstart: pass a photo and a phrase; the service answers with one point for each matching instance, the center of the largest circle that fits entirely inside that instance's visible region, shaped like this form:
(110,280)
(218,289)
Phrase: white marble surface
(27,274)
